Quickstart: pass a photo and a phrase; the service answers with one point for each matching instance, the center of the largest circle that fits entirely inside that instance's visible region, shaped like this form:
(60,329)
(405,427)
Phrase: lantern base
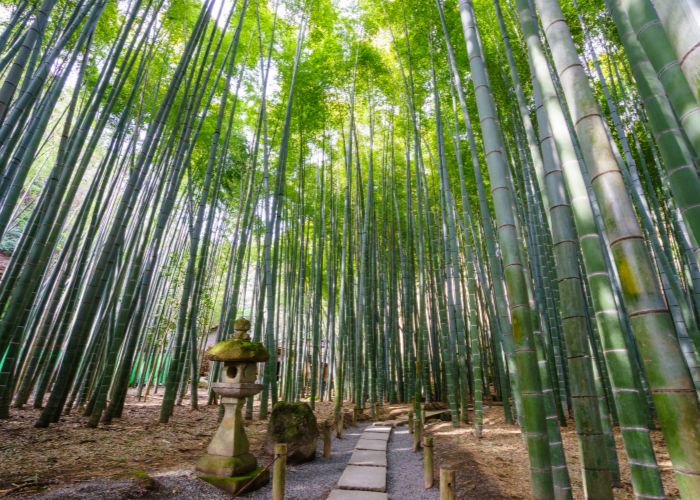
(218,465)
(254,480)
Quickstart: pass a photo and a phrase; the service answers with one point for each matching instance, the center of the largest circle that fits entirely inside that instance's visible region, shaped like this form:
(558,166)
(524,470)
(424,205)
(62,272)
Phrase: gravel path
(405,474)
(315,480)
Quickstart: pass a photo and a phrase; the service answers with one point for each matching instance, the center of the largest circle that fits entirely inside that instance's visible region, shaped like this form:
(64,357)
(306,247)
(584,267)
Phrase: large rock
(294,424)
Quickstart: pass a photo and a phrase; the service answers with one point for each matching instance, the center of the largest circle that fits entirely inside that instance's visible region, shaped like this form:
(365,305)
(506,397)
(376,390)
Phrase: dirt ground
(495,466)
(69,452)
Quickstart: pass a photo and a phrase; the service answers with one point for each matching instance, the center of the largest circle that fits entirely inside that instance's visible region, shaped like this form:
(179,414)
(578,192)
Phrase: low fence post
(428,462)
(447,484)
(278,471)
(327,440)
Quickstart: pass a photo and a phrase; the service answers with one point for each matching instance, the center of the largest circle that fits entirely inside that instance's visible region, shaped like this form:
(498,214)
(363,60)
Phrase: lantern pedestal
(228,463)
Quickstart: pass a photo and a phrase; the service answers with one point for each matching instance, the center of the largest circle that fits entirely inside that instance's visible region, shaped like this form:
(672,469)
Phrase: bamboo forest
(314,249)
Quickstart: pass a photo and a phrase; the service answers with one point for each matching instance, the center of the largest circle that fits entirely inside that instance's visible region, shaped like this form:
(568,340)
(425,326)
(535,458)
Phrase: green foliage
(109,25)
(180,17)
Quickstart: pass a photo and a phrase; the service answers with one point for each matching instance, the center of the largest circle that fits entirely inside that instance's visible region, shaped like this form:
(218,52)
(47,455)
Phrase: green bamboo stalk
(533,416)
(668,375)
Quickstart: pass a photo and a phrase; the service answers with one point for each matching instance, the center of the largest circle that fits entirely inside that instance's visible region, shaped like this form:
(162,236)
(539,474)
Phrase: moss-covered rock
(237,350)
(294,424)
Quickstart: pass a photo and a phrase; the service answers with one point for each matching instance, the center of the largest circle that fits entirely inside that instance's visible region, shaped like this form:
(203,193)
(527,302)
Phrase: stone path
(403,420)
(364,477)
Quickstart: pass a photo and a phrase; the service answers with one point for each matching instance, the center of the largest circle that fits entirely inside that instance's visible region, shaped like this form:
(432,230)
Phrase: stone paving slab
(371,444)
(375,435)
(366,478)
(381,429)
(390,423)
(357,495)
(368,457)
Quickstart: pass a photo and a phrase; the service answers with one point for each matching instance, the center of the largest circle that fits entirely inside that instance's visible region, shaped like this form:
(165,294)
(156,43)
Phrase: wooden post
(278,471)
(327,439)
(339,426)
(447,484)
(428,462)
(354,416)
(417,433)
(410,422)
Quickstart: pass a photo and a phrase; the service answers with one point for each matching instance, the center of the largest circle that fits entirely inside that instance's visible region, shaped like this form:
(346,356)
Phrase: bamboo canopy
(413,201)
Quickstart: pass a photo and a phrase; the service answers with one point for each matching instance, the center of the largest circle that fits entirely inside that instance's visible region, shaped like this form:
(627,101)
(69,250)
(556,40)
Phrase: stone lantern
(228,463)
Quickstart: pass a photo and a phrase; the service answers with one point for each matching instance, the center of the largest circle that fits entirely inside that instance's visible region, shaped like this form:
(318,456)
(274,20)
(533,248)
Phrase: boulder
(293,424)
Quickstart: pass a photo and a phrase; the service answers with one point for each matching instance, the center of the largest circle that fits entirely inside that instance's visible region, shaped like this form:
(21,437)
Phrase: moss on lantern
(238,350)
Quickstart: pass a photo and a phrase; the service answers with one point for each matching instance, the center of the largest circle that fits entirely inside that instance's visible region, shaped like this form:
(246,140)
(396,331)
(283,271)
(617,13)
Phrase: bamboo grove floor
(31,459)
